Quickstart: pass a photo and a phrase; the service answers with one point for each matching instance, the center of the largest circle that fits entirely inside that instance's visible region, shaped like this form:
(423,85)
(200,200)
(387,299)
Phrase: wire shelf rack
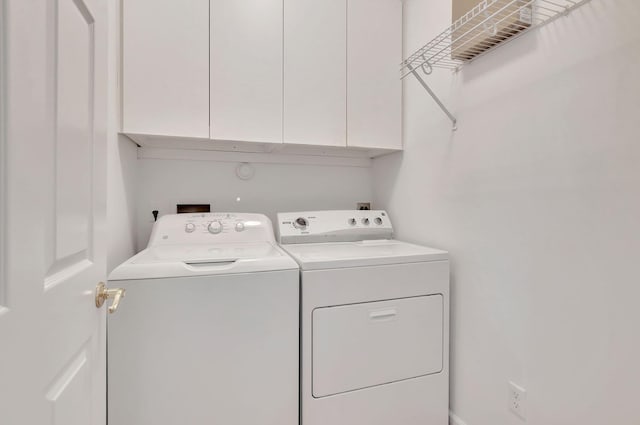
(487,25)
(491,23)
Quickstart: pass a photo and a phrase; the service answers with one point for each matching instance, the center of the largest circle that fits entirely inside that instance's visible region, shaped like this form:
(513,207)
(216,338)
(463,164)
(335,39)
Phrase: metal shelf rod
(453,119)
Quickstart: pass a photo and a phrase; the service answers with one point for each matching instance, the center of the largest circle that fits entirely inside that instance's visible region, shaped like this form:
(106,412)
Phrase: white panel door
(52,355)
(246,70)
(315,72)
(358,346)
(165,63)
(374,88)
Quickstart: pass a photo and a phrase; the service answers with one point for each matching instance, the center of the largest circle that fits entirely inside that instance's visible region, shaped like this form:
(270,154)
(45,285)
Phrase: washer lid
(164,261)
(316,256)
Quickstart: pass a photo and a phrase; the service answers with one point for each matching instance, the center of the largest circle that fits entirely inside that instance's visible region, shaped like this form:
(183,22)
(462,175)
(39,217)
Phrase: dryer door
(363,345)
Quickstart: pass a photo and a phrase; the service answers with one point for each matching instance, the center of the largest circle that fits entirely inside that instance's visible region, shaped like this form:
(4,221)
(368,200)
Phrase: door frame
(3,155)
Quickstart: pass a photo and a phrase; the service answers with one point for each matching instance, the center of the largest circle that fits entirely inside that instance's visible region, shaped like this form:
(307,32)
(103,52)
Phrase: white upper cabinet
(246,70)
(315,53)
(165,60)
(374,88)
(301,72)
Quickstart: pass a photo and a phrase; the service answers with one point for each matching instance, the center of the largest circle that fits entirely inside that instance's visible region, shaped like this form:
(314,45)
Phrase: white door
(246,70)
(374,88)
(165,67)
(52,336)
(315,72)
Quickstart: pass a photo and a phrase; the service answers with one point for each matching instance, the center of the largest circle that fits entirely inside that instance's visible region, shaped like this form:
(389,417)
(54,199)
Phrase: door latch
(103,294)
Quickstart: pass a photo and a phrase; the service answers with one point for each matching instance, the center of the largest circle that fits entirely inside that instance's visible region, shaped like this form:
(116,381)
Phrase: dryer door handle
(386,314)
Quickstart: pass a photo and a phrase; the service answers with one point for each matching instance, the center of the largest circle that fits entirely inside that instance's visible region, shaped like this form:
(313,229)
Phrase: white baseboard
(455,420)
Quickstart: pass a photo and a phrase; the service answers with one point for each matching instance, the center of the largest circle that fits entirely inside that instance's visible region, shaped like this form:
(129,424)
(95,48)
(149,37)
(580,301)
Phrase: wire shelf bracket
(435,97)
(490,24)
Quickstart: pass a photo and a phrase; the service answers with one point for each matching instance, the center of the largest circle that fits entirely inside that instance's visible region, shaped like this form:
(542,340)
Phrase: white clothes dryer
(374,321)
(209,330)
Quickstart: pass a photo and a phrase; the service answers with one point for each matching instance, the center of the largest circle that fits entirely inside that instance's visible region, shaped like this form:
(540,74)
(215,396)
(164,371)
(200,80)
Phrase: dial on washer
(215,227)
(300,223)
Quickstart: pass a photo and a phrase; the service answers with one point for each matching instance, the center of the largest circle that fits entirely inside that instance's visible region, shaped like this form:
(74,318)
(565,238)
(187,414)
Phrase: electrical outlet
(518,400)
(364,206)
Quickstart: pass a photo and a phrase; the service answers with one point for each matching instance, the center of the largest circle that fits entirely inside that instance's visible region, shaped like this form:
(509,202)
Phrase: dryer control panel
(333,226)
(211,227)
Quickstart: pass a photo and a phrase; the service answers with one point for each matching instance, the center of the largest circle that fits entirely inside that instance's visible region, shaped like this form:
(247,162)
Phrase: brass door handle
(103,294)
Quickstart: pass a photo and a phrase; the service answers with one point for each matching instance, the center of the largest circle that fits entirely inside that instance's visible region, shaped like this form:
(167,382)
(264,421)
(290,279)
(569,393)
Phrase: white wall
(275,187)
(121,200)
(121,161)
(537,196)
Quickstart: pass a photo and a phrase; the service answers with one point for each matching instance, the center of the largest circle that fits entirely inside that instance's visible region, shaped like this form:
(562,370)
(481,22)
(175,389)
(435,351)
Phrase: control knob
(352,221)
(215,227)
(300,223)
(378,221)
(189,227)
(365,221)
(239,226)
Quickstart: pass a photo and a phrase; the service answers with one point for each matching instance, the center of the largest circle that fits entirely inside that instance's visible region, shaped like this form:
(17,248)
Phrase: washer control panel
(333,226)
(211,227)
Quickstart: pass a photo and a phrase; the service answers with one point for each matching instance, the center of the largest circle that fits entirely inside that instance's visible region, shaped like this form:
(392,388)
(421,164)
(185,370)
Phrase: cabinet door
(246,70)
(374,89)
(362,345)
(165,56)
(315,39)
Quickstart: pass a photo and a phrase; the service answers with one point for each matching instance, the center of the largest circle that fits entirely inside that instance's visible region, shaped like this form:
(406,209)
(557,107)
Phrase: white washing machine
(374,321)
(208,332)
